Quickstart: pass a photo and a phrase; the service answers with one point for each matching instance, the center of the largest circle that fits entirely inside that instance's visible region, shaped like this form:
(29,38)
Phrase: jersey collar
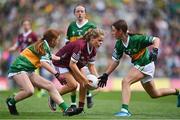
(79,26)
(88,49)
(127,43)
(25,34)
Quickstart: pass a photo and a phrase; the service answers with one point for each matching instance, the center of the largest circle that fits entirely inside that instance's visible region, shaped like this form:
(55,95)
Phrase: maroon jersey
(25,39)
(77,51)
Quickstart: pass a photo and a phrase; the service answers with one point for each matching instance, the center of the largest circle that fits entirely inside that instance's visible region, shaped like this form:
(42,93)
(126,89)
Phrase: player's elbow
(157,40)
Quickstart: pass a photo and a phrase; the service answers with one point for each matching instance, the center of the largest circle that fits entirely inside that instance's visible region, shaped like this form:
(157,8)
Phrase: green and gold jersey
(29,59)
(75,31)
(136,48)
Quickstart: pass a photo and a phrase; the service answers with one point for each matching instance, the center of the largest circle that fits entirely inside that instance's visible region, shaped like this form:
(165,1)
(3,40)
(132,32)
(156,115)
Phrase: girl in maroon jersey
(26,38)
(73,57)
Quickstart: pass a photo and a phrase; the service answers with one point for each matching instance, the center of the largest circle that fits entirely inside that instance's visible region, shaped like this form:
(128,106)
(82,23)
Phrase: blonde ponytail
(93,33)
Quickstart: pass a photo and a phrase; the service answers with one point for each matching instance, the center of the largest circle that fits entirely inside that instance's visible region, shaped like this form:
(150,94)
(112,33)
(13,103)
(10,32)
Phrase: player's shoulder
(91,23)
(119,44)
(79,42)
(72,23)
(136,36)
(33,34)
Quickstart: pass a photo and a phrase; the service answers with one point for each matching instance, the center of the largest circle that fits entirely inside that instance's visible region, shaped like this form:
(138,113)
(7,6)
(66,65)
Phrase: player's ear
(120,32)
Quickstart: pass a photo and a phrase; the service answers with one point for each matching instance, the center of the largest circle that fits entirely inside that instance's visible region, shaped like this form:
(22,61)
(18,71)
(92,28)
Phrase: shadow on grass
(156,116)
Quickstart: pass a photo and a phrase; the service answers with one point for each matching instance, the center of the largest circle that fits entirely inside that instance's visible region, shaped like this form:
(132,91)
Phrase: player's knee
(154,95)
(125,82)
(29,91)
(50,86)
(73,86)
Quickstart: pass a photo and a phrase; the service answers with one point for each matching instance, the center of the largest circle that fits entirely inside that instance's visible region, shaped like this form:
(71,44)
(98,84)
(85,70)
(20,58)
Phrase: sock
(81,105)
(63,106)
(12,101)
(125,106)
(73,98)
(89,94)
(177,92)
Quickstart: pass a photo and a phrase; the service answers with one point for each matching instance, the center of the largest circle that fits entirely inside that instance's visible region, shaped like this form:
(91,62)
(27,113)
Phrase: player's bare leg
(70,86)
(126,92)
(40,82)
(156,93)
(26,90)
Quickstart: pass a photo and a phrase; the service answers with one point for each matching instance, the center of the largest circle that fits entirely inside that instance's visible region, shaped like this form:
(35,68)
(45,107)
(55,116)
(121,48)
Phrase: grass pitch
(106,104)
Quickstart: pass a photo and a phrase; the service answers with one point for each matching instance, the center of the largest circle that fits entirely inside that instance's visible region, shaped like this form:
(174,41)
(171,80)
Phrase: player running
(136,46)
(22,72)
(75,31)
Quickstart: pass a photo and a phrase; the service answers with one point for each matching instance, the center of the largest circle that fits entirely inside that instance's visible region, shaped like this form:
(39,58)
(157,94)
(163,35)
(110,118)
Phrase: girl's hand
(60,78)
(54,57)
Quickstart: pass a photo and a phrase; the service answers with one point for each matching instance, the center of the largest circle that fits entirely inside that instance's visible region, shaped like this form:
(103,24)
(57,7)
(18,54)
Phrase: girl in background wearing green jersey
(135,46)
(22,72)
(76,30)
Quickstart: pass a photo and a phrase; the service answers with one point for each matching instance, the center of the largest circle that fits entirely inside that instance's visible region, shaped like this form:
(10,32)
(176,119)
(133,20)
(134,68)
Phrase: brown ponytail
(39,47)
(51,37)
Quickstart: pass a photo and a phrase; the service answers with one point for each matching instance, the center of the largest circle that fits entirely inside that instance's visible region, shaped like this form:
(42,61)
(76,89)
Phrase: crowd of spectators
(153,17)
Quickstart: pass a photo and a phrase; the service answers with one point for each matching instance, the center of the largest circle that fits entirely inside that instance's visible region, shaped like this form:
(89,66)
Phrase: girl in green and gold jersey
(136,46)
(22,72)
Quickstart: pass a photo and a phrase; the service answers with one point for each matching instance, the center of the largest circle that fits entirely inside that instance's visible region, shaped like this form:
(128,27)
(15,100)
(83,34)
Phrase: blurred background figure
(26,38)
(157,18)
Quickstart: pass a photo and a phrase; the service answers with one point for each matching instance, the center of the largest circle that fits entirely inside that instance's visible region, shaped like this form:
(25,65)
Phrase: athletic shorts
(65,70)
(10,75)
(148,70)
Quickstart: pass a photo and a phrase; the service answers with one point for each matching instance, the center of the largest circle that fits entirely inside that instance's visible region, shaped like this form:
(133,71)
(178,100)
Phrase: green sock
(63,106)
(125,106)
(12,101)
(73,98)
(177,92)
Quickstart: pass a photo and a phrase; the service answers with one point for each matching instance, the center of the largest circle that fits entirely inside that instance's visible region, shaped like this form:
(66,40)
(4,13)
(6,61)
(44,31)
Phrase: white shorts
(62,70)
(65,70)
(10,75)
(148,70)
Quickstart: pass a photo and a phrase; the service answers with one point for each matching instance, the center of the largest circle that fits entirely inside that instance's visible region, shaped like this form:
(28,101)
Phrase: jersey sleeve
(76,53)
(35,37)
(145,40)
(68,35)
(92,60)
(47,57)
(117,52)
(18,41)
(93,26)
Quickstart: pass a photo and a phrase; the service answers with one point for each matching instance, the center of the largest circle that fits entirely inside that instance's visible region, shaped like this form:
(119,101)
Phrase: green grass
(106,104)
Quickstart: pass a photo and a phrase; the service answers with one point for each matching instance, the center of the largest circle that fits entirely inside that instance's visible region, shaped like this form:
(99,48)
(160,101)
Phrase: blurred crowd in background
(153,17)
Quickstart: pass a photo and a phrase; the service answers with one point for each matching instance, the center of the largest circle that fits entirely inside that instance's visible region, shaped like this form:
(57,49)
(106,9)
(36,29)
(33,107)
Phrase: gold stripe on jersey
(72,39)
(35,60)
(138,55)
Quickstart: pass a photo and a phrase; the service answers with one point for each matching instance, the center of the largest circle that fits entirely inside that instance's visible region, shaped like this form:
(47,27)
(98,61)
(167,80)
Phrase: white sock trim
(124,110)
(73,104)
(89,95)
